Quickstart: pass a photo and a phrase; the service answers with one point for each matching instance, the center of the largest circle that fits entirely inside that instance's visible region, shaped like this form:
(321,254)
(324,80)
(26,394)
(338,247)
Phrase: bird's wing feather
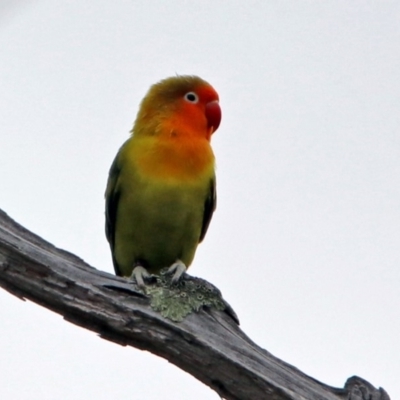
(112,197)
(209,208)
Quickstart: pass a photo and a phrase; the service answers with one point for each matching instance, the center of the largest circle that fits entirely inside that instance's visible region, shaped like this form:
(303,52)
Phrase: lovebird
(161,190)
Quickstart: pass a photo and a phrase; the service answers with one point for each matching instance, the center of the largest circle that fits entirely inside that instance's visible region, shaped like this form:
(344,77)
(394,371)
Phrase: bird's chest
(170,200)
(167,179)
(180,162)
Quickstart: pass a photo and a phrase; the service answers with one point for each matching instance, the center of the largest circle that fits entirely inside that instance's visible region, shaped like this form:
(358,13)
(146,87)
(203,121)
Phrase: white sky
(305,243)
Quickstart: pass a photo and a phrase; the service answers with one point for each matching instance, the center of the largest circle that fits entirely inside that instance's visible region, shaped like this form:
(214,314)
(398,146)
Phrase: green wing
(209,208)
(112,196)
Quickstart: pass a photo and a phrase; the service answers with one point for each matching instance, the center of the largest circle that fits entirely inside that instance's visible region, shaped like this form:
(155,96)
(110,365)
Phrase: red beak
(213,115)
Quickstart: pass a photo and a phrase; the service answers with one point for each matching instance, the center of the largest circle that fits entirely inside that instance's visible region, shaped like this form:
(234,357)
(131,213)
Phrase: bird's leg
(178,268)
(139,274)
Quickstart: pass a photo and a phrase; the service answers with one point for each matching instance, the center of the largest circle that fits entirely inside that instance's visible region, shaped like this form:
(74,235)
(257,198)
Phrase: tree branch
(208,344)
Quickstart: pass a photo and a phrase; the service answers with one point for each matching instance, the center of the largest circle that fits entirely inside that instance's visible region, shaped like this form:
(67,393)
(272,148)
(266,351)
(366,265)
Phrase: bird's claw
(139,275)
(178,268)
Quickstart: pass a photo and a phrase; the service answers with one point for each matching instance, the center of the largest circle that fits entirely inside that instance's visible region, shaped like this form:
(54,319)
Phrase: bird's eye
(191,97)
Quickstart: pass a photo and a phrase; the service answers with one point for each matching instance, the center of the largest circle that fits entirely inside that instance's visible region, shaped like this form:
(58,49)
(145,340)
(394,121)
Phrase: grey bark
(208,344)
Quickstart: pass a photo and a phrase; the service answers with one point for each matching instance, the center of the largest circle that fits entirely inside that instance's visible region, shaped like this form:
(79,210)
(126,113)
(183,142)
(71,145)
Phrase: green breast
(158,222)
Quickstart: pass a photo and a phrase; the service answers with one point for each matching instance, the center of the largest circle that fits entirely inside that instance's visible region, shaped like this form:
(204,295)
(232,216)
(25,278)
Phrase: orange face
(201,108)
(184,106)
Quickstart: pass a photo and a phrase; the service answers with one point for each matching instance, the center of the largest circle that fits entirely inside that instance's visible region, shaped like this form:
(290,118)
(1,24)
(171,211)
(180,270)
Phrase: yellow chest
(175,160)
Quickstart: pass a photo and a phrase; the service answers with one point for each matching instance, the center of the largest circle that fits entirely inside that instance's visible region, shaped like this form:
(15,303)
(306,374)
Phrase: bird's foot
(139,275)
(178,268)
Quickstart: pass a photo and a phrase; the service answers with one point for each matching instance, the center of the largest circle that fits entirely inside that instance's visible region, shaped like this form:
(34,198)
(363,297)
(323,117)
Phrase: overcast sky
(305,242)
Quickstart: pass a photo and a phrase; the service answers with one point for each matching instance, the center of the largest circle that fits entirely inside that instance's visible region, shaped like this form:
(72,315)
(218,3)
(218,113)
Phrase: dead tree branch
(208,344)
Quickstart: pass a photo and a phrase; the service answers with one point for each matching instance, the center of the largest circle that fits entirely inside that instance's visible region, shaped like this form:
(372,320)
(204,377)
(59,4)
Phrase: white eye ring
(191,97)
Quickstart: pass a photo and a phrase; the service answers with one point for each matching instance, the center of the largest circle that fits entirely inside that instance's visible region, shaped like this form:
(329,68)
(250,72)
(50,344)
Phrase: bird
(161,189)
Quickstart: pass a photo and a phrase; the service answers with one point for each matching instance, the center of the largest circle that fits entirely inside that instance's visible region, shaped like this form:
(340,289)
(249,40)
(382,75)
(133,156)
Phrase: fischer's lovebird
(160,194)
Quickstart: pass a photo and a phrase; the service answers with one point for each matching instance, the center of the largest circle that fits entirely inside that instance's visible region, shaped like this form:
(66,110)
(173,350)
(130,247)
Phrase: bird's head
(184,106)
